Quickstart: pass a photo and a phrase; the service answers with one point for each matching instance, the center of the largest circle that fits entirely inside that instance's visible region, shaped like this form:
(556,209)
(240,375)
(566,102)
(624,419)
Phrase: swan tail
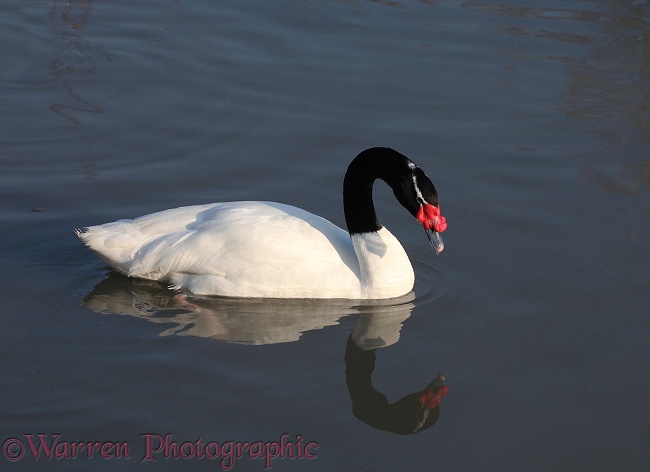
(114,243)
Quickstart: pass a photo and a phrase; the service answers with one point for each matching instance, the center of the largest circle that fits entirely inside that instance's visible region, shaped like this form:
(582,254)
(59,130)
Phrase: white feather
(254,249)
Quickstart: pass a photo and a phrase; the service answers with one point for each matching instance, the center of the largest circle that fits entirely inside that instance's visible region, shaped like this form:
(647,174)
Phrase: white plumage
(253,249)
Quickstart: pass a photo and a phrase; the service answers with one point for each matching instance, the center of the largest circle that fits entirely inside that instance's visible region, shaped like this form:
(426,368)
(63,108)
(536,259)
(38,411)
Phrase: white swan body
(258,249)
(254,249)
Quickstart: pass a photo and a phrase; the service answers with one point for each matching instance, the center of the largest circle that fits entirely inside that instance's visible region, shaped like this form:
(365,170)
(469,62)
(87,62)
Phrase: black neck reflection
(406,416)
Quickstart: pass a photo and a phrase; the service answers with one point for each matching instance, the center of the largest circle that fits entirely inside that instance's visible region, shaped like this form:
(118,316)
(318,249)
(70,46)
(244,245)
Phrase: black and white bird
(273,250)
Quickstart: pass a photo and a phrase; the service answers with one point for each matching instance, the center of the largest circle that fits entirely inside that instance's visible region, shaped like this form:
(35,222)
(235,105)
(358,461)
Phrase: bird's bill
(436,240)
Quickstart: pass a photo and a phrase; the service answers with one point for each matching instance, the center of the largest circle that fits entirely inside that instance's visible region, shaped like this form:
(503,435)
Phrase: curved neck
(372,164)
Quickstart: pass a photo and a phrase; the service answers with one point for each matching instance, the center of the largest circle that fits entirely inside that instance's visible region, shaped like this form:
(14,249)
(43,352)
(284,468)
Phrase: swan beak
(436,240)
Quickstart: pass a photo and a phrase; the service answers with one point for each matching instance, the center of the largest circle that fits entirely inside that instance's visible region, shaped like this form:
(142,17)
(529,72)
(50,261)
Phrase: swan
(272,250)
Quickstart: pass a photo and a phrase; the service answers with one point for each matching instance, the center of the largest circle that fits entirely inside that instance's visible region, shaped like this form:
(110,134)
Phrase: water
(531,118)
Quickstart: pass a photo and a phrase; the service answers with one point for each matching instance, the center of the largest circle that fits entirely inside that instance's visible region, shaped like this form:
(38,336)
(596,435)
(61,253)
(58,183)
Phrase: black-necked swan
(273,250)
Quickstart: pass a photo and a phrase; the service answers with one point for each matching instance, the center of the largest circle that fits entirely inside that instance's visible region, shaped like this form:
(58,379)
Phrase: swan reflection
(411,414)
(268,321)
(245,320)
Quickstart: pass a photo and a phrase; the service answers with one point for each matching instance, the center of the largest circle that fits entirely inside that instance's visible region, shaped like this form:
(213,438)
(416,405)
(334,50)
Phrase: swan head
(419,196)
(411,186)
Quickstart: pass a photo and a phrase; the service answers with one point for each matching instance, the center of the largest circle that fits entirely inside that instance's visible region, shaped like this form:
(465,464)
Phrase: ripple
(432,284)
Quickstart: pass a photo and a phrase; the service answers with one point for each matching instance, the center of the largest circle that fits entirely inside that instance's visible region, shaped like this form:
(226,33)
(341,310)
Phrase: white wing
(235,249)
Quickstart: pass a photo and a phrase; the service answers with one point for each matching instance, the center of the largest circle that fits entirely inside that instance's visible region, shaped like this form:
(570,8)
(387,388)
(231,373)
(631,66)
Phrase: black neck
(372,164)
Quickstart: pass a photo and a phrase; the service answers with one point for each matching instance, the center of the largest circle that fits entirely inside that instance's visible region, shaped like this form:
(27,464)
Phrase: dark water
(533,120)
